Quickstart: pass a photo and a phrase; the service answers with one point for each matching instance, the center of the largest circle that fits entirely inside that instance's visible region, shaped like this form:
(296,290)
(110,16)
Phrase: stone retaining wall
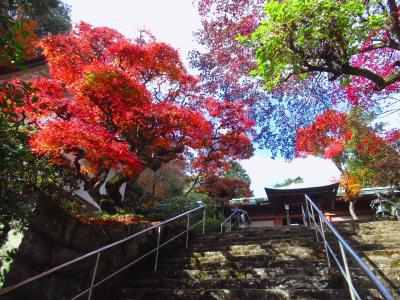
(55,237)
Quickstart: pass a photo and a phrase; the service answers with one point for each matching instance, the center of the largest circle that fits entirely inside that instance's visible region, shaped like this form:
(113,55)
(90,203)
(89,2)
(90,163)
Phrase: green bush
(172,206)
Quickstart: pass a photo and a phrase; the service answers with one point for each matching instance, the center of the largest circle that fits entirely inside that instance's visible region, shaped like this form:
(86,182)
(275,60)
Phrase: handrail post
(187,230)
(158,247)
(304,216)
(308,211)
(98,252)
(325,246)
(94,275)
(315,223)
(345,247)
(204,219)
(348,274)
(230,224)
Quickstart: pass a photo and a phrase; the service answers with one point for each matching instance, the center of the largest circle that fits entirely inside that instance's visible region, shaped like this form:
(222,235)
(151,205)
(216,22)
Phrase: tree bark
(193,185)
(112,188)
(351,209)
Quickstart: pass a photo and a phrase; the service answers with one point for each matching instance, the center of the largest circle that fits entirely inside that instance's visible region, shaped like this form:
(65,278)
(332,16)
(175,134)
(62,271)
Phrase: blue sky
(173,22)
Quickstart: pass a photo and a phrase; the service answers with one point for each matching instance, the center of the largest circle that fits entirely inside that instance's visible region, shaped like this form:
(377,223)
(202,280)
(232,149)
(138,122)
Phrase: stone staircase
(262,263)
(378,243)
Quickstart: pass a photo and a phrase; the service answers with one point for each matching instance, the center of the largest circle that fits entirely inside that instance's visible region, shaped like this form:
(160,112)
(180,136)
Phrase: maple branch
(78,156)
(380,82)
(383,44)
(391,79)
(194,184)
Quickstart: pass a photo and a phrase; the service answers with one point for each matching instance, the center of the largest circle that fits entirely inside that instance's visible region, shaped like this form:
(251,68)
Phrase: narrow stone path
(262,263)
(378,243)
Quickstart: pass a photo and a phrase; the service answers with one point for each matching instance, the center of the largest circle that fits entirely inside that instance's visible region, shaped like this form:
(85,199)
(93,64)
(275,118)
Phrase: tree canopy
(127,105)
(311,55)
(301,37)
(23,22)
(236,171)
(289,181)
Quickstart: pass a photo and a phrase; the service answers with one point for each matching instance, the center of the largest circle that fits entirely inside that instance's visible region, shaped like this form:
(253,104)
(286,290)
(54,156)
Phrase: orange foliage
(351,186)
(23,42)
(128,105)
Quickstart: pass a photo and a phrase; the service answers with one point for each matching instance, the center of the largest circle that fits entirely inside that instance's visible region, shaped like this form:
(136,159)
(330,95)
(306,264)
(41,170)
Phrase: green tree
(23,177)
(50,16)
(236,171)
(289,181)
(298,38)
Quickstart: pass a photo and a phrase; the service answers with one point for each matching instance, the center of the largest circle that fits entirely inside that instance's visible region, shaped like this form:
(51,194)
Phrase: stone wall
(55,237)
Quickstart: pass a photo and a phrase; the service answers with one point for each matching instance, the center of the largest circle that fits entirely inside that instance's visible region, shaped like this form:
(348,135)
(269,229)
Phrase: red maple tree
(220,190)
(340,136)
(127,105)
(357,148)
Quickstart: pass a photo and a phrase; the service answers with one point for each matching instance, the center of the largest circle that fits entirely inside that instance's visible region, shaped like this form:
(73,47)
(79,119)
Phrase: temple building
(283,206)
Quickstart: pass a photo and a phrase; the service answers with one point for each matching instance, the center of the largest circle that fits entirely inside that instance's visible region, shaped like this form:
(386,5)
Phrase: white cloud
(172,22)
(265,171)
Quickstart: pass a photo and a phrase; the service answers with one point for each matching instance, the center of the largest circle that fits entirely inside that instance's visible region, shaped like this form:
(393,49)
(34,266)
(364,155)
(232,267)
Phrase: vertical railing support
(187,230)
(304,216)
(308,212)
(325,244)
(158,247)
(230,224)
(348,275)
(204,219)
(315,224)
(287,215)
(94,276)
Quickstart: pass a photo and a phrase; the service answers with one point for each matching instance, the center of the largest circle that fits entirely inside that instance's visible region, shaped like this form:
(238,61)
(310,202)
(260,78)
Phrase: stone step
(391,253)
(285,281)
(262,232)
(382,262)
(368,224)
(370,239)
(251,240)
(256,250)
(374,246)
(391,271)
(368,250)
(241,263)
(223,240)
(370,232)
(276,244)
(272,239)
(234,273)
(221,256)
(237,294)
(381,238)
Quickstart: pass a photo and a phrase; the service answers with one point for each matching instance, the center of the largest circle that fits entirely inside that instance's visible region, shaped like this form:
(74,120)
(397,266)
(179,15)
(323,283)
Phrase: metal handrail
(109,246)
(387,200)
(236,211)
(344,247)
(395,205)
(303,213)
